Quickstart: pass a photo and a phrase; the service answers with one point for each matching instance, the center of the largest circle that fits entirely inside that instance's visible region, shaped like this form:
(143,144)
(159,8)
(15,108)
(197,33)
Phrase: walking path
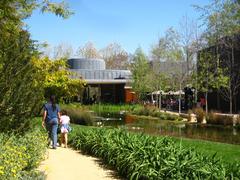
(67,164)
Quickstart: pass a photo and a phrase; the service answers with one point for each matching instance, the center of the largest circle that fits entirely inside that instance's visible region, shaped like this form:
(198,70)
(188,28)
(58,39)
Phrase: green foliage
(221,19)
(209,75)
(157,81)
(20,80)
(19,155)
(138,156)
(154,112)
(200,113)
(140,69)
(56,79)
(110,108)
(78,115)
(168,47)
(23,9)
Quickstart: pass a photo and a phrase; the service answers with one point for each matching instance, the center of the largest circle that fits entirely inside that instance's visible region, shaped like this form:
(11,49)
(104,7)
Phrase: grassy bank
(154,112)
(141,156)
(227,152)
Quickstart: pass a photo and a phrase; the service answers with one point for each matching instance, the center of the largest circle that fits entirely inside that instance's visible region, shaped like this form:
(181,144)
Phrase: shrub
(78,115)
(238,122)
(138,156)
(154,112)
(200,113)
(218,119)
(19,155)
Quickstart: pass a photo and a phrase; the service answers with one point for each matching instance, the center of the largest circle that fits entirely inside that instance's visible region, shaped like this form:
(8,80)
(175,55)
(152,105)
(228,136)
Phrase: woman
(51,117)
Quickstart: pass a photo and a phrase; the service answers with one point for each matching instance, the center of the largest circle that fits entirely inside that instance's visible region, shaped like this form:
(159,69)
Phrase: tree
(114,56)
(56,79)
(20,81)
(169,53)
(230,29)
(229,93)
(62,51)
(157,82)
(222,21)
(88,51)
(140,69)
(209,75)
(189,40)
(168,47)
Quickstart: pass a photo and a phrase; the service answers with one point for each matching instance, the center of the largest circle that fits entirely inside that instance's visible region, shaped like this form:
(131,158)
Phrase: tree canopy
(22,81)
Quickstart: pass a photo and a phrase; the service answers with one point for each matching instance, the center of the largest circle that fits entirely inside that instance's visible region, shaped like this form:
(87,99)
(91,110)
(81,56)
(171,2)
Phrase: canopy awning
(168,93)
(158,92)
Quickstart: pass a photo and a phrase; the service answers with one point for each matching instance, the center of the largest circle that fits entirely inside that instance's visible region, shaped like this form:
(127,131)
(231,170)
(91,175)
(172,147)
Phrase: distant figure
(198,105)
(51,117)
(203,102)
(94,98)
(65,128)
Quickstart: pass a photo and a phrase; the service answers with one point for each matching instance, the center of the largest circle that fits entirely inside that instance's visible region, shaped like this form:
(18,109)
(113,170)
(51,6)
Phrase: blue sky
(131,23)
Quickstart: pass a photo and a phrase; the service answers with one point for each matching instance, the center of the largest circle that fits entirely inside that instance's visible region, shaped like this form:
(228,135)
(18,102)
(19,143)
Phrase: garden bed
(138,156)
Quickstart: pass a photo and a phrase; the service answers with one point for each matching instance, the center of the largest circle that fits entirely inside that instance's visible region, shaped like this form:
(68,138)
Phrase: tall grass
(219,119)
(154,112)
(78,114)
(138,156)
(110,108)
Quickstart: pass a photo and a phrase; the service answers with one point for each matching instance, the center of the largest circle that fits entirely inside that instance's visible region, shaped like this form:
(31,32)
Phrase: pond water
(217,133)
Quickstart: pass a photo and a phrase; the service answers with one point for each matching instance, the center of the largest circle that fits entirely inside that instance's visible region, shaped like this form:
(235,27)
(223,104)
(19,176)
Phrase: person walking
(51,118)
(65,128)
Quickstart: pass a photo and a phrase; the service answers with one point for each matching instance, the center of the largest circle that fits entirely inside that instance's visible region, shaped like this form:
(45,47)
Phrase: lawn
(228,152)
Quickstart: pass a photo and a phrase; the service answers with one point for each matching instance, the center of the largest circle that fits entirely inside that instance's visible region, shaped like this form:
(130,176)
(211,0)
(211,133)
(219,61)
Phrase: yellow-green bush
(200,113)
(19,154)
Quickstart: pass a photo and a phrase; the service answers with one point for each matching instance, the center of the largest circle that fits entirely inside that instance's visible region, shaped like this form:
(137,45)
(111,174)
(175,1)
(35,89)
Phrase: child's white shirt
(64,119)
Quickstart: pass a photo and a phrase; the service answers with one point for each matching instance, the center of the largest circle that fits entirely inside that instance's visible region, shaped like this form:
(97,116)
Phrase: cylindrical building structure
(83,63)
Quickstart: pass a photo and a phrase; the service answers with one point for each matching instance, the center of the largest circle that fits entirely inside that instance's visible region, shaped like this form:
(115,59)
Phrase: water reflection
(162,127)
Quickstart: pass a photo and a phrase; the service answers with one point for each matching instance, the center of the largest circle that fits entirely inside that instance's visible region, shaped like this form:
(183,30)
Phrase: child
(65,128)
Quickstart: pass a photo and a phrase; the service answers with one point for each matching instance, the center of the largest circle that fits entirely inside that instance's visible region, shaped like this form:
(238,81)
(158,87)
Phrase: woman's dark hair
(53,101)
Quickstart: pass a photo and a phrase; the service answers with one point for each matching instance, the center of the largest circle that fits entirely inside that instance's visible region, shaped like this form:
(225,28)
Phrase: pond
(217,133)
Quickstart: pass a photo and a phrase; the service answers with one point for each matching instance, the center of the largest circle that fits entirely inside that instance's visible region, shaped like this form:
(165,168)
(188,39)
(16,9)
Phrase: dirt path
(67,164)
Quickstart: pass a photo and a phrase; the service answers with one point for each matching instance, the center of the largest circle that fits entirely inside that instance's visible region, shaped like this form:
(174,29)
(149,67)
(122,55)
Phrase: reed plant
(139,156)
(78,114)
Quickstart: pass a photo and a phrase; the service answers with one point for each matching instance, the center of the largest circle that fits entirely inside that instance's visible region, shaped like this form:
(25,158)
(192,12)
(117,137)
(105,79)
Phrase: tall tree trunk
(206,98)
(179,101)
(230,82)
(230,101)
(187,54)
(160,100)
(235,104)
(152,98)
(218,100)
